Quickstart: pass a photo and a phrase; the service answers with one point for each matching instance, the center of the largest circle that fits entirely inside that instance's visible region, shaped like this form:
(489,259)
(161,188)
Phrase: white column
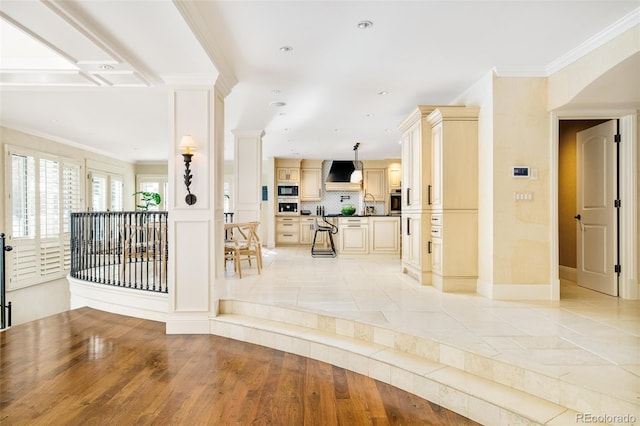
(195,231)
(248,175)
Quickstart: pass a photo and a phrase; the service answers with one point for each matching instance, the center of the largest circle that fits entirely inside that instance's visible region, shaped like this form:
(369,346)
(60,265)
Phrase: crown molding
(611,32)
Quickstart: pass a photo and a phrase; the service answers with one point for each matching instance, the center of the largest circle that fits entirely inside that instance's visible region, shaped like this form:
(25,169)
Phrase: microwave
(288,206)
(287,190)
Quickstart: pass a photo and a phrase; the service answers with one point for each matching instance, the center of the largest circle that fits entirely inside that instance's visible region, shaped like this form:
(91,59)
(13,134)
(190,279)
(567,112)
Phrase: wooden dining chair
(243,244)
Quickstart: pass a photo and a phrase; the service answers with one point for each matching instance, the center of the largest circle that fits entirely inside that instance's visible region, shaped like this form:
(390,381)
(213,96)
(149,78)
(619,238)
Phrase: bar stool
(330,229)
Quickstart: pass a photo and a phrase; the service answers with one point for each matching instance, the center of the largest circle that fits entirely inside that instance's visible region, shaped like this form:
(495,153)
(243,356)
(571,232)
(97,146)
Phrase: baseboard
(118,300)
(568,273)
(189,324)
(514,291)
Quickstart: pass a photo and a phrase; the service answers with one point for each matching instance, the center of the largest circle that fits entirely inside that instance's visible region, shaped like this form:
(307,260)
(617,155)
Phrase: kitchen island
(357,234)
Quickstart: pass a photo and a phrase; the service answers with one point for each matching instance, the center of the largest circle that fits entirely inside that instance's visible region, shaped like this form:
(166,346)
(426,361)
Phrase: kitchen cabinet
(416,184)
(440,196)
(307,230)
(454,145)
(310,184)
(354,235)
(394,177)
(416,246)
(288,174)
(454,198)
(287,230)
(375,184)
(416,159)
(384,235)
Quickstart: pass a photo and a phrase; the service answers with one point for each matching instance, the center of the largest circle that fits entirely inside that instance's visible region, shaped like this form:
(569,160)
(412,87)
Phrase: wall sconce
(187,144)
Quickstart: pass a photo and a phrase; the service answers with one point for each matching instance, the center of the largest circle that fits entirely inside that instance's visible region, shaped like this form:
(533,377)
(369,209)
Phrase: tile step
(478,398)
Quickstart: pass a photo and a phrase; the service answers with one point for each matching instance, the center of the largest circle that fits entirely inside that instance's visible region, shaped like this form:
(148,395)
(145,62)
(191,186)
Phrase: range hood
(339,178)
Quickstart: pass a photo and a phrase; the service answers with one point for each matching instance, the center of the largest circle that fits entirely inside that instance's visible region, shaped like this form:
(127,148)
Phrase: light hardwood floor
(87,367)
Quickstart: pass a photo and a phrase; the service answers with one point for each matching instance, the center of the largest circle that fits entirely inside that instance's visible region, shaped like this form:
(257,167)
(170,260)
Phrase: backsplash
(334,201)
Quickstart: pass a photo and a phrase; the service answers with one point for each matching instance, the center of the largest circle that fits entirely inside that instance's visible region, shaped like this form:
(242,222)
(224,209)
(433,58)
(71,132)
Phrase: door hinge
(617,269)
(617,138)
(617,204)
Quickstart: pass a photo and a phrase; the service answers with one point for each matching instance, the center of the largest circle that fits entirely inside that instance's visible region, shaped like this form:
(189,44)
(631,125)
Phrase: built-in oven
(287,206)
(287,190)
(395,202)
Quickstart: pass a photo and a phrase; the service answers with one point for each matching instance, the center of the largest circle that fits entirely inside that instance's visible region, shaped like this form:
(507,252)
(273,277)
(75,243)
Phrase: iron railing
(124,249)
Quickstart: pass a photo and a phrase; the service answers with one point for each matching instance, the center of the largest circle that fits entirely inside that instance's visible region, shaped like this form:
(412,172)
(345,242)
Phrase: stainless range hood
(339,178)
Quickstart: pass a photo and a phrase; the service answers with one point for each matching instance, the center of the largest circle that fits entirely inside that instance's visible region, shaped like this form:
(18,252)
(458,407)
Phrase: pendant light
(356,176)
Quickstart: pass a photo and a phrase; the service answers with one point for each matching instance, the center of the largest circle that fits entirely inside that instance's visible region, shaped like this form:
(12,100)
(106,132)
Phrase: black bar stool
(330,229)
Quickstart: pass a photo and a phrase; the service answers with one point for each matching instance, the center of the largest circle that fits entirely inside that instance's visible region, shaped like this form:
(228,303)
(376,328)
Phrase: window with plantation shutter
(106,191)
(43,191)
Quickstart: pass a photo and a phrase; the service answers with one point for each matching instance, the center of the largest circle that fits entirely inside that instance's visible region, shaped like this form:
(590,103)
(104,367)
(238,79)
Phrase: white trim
(629,286)
(614,30)
(509,291)
(119,300)
(568,273)
(554,235)
(189,324)
(521,71)
(629,209)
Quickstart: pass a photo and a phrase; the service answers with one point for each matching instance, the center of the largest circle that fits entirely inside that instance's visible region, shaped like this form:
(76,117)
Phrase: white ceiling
(53,82)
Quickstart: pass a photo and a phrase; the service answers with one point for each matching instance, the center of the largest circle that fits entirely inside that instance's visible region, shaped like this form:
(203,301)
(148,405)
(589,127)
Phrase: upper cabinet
(416,159)
(454,148)
(287,171)
(374,184)
(288,174)
(311,180)
(394,177)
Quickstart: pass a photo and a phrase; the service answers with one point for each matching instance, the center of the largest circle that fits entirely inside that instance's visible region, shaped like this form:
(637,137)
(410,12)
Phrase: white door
(596,227)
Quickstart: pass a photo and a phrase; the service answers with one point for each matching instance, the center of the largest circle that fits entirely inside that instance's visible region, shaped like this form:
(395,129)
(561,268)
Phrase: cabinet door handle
(408,196)
(429,194)
(408,226)
(429,247)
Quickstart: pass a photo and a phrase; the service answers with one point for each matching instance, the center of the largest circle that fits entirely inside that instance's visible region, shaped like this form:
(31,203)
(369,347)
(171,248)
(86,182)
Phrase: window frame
(43,258)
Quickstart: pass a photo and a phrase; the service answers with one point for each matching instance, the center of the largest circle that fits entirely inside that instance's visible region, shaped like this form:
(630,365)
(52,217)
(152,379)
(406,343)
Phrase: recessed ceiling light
(106,67)
(286,49)
(369,115)
(383,93)
(363,25)
(278,104)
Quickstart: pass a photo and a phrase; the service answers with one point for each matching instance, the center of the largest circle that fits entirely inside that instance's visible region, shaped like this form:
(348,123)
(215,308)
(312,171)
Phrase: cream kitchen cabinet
(454,145)
(416,159)
(394,177)
(375,184)
(354,235)
(454,198)
(310,184)
(288,175)
(384,235)
(416,246)
(287,230)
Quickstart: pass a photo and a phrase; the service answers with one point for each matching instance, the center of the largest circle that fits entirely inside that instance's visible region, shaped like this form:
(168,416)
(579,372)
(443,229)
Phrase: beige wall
(521,137)
(52,297)
(152,169)
(567,83)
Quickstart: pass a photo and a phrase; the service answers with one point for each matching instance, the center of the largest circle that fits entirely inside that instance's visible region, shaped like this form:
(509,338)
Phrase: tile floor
(586,338)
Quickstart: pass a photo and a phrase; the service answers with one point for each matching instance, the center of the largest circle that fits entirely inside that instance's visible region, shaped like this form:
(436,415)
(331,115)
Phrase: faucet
(364,201)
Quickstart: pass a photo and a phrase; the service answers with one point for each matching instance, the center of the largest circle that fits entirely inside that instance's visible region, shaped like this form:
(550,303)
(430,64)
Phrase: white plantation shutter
(49,191)
(116,194)
(71,202)
(44,190)
(98,192)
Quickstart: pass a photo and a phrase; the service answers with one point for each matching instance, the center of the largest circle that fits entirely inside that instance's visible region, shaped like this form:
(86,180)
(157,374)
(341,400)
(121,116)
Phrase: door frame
(628,281)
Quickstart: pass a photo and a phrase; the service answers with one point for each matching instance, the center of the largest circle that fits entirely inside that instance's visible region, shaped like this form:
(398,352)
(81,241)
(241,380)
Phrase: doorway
(570,228)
